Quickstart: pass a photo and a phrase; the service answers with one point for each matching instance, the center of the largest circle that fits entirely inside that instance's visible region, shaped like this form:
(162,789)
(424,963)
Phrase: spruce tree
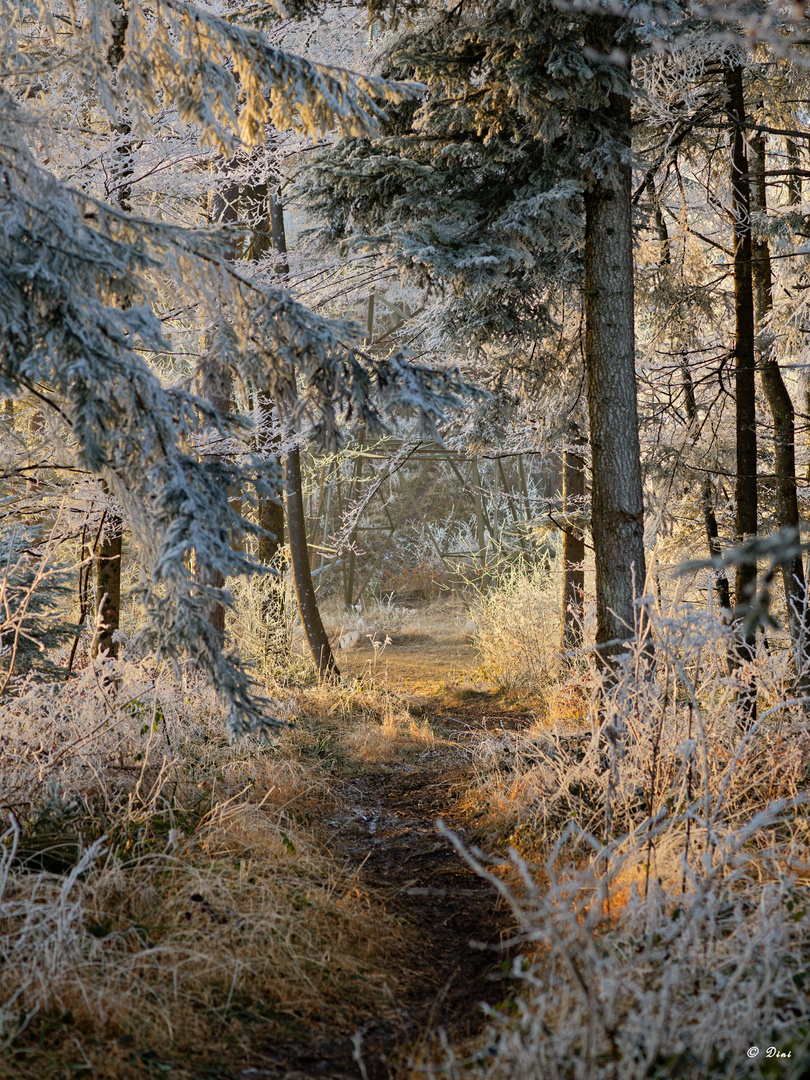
(82,282)
(510,178)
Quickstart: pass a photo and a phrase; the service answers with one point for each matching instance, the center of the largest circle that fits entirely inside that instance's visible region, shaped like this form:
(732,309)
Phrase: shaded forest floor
(450,962)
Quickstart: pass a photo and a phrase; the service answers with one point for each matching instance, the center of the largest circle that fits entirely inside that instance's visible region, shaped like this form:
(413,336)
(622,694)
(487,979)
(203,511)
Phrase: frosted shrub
(263,621)
(517,627)
(667,929)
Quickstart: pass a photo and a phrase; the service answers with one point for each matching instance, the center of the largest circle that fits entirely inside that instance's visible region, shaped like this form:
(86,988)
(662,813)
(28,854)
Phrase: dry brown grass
(355,726)
(158,882)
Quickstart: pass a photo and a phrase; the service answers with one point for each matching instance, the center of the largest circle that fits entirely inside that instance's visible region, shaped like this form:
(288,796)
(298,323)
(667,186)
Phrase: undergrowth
(517,628)
(160,887)
(162,890)
(658,870)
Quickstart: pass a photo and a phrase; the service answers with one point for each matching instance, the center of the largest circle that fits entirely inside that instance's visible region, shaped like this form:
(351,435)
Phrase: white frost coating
(83,282)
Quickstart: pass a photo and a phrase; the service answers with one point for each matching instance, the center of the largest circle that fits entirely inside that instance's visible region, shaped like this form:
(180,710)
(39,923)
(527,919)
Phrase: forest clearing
(404,484)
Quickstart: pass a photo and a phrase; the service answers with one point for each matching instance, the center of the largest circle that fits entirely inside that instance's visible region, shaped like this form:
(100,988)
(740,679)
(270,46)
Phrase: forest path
(454,922)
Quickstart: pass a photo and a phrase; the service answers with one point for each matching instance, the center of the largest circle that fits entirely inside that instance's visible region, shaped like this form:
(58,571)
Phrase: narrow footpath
(386,834)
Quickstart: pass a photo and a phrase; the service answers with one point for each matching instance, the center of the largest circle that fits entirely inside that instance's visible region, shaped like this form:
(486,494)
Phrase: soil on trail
(456,922)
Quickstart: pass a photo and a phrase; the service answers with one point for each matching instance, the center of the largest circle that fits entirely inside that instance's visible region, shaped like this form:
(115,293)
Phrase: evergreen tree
(695,312)
(81,281)
(509,178)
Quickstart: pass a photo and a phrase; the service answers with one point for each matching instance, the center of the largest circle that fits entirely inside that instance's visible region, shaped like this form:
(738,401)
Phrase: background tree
(512,176)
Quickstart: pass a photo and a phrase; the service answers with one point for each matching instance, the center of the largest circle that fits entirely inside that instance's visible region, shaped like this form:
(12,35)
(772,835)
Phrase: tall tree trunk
(267,232)
(745,368)
(108,556)
(271,553)
(294,501)
(721,584)
(784,431)
(573,542)
(108,584)
(617,513)
(216,388)
(302,575)
(706,491)
(223,210)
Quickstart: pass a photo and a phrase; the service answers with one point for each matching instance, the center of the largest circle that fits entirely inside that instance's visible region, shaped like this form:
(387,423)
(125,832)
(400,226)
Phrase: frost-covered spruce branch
(71,332)
(228,79)
(77,354)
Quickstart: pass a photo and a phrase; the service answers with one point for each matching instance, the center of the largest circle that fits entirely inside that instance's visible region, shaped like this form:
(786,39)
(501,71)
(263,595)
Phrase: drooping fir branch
(228,79)
(67,264)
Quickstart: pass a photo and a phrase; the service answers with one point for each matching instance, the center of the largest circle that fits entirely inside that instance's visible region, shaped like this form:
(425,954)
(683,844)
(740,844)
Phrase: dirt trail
(387,835)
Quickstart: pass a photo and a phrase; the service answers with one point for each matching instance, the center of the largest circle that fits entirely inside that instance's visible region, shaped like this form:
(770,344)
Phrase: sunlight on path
(425,669)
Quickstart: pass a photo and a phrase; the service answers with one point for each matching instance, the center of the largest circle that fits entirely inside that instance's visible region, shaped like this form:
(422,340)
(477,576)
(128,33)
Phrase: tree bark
(721,584)
(108,557)
(217,389)
(267,233)
(108,583)
(573,543)
(294,500)
(745,368)
(617,513)
(223,209)
(302,575)
(784,432)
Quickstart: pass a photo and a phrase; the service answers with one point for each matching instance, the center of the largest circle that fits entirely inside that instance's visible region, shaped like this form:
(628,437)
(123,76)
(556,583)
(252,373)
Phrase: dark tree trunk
(661,230)
(745,368)
(573,543)
(271,519)
(279,232)
(223,209)
(294,499)
(271,553)
(617,513)
(302,575)
(108,583)
(706,491)
(267,233)
(721,584)
(217,389)
(108,557)
(784,432)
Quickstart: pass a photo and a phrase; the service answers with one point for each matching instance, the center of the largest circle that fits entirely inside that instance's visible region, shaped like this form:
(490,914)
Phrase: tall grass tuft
(658,873)
(517,628)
